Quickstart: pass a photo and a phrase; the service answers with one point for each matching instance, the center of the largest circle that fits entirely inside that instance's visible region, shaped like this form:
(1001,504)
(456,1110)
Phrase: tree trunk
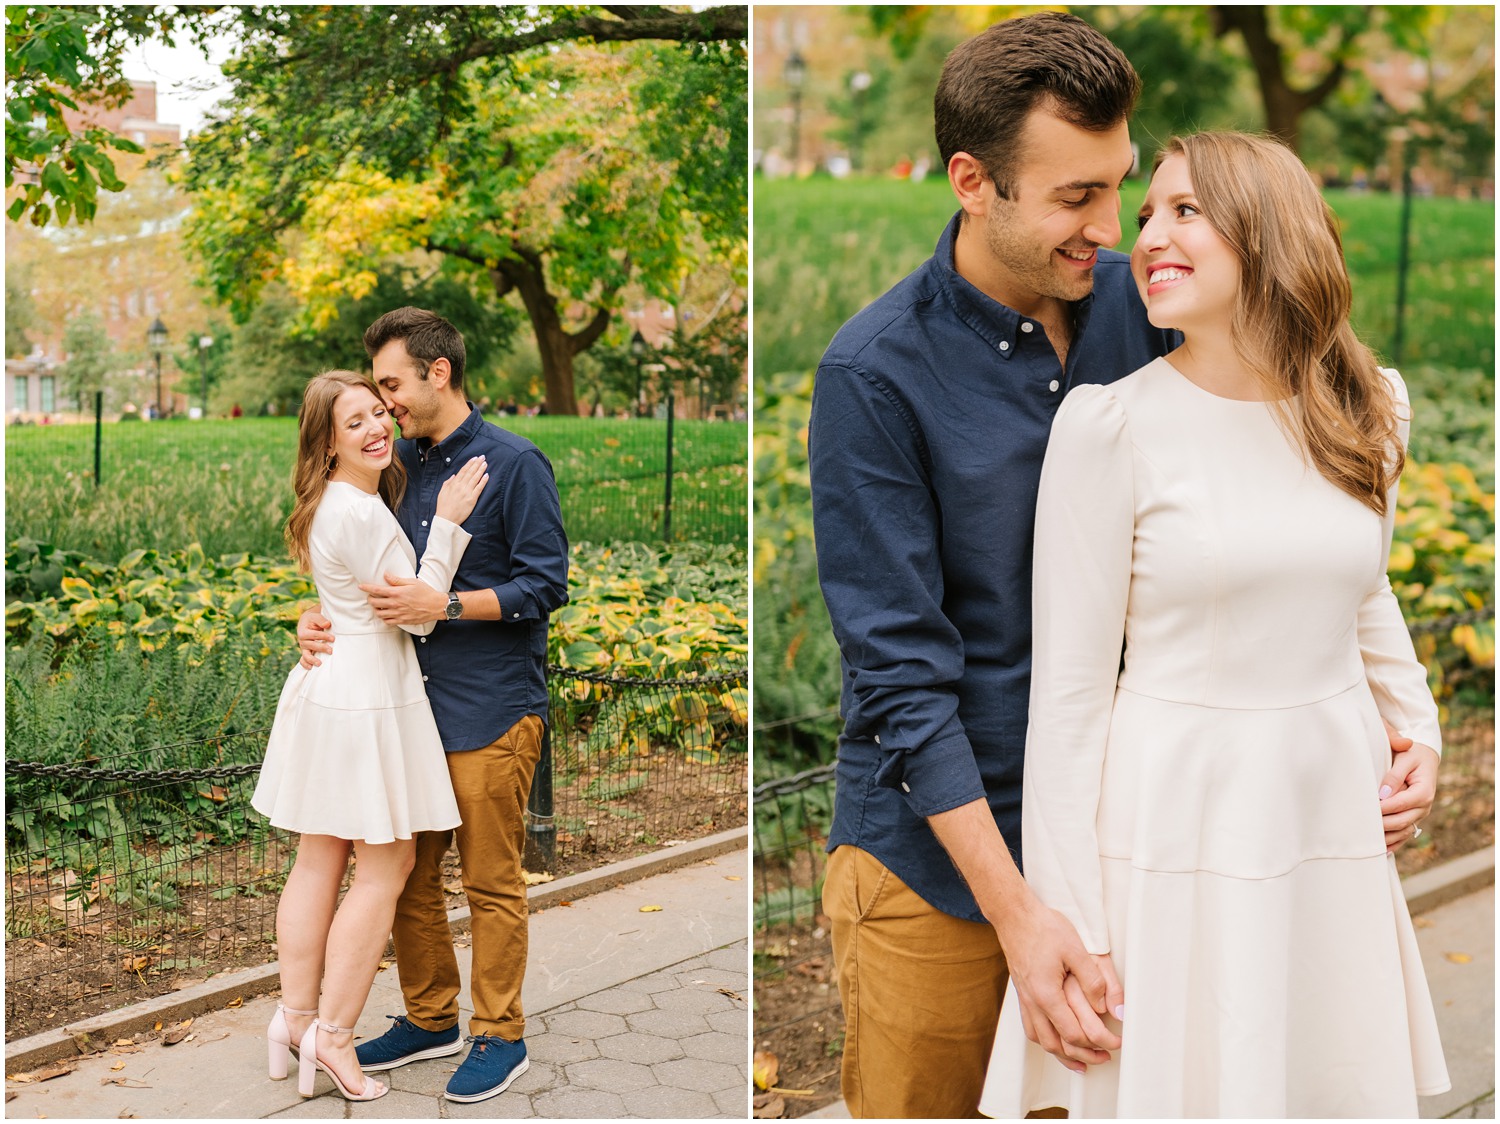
(1284,105)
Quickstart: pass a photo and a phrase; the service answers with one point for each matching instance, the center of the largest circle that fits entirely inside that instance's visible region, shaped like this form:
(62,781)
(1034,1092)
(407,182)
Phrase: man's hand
(314,635)
(1063,990)
(1407,789)
(405,600)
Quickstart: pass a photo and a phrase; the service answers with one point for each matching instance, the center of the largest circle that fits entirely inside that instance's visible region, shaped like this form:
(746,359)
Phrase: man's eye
(1075,202)
(1141,220)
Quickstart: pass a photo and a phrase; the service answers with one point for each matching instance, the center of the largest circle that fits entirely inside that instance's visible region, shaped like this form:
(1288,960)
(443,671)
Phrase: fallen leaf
(1458,957)
(217,793)
(126,1114)
(731,994)
(768,1106)
(135,963)
(10,1096)
(124,1082)
(130,1041)
(733,878)
(534,879)
(1422,922)
(766,1069)
(117,1066)
(237,1001)
(174,1036)
(23,1078)
(565,903)
(650,909)
(158,1025)
(46,1073)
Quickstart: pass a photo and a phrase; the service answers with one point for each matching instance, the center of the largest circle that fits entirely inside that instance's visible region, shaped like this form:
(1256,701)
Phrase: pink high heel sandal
(308,1063)
(279,1045)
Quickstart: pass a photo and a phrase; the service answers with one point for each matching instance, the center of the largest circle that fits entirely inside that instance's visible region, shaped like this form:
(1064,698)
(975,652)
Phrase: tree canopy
(531,163)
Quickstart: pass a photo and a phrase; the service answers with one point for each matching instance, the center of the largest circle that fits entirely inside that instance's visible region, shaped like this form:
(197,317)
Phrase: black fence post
(1403,260)
(98,432)
(541,830)
(666,519)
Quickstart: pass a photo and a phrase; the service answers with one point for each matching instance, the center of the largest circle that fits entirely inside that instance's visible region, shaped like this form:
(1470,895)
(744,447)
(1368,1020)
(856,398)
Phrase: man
(485,673)
(929,422)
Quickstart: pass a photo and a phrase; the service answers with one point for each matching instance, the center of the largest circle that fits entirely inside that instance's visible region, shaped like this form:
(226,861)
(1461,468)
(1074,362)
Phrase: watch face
(455,607)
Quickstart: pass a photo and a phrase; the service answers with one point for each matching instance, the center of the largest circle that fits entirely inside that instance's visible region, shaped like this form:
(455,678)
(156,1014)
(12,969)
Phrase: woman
(354,761)
(1205,812)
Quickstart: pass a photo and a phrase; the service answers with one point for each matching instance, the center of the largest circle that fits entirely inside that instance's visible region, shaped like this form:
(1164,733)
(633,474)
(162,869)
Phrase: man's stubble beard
(1028,261)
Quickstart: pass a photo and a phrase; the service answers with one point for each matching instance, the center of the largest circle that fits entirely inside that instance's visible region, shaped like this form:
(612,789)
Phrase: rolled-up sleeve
(877,527)
(531,519)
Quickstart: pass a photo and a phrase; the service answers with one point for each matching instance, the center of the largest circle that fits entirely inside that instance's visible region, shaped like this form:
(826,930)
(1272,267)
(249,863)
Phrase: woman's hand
(461,491)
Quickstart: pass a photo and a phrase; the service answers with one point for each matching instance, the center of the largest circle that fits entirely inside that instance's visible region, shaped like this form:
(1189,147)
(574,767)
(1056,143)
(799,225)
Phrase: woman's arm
(373,546)
(1085,528)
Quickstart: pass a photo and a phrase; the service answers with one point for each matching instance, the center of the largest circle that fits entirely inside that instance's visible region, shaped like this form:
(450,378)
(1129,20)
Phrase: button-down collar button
(1025,326)
(515,616)
(1052,386)
(1004,345)
(447,460)
(877,739)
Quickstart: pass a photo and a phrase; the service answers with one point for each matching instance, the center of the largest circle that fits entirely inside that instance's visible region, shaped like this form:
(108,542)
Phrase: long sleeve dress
(1206,810)
(354,751)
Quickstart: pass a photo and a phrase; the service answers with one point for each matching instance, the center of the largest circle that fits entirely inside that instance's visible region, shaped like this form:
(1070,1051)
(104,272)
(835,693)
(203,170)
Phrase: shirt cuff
(937,777)
(514,604)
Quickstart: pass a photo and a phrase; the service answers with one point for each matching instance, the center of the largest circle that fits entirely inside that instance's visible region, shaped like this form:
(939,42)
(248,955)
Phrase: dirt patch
(1463,815)
(797,1015)
(72,953)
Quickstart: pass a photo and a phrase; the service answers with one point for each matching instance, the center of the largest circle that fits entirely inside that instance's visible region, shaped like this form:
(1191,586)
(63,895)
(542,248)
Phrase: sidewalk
(1458,953)
(629,1014)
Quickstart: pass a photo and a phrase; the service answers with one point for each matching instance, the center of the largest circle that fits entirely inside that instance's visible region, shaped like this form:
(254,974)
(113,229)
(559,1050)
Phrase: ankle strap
(331,1029)
(294,1011)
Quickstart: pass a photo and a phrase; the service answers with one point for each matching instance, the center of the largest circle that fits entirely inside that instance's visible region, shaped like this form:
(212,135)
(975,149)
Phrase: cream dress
(354,751)
(1207,813)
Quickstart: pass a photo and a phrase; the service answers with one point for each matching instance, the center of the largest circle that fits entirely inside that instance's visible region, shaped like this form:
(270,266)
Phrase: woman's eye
(1185,209)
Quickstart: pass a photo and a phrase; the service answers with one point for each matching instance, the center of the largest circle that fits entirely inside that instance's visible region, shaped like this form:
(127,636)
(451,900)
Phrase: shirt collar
(454,443)
(997,324)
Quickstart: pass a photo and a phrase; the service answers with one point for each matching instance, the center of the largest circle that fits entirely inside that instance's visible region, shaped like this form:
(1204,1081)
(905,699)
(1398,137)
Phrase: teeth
(1079,255)
(1168,274)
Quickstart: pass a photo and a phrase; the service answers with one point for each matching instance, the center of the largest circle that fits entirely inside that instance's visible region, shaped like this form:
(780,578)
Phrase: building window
(49,387)
(19,401)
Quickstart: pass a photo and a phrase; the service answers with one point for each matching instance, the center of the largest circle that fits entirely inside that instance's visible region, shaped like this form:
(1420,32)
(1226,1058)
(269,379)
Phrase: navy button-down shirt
(483,677)
(930,417)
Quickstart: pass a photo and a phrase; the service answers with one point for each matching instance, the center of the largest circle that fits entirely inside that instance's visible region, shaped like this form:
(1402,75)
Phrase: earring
(329,463)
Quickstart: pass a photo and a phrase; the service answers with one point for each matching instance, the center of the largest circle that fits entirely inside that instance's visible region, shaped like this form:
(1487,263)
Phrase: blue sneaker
(404,1042)
(489,1069)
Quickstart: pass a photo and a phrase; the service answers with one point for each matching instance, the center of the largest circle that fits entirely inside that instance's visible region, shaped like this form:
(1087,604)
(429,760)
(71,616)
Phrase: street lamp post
(204,343)
(859,82)
(638,349)
(795,73)
(156,340)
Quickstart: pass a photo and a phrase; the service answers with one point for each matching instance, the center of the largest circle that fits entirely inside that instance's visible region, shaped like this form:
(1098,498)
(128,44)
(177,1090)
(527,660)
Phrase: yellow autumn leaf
(1458,957)
(535,879)
(766,1069)
(650,909)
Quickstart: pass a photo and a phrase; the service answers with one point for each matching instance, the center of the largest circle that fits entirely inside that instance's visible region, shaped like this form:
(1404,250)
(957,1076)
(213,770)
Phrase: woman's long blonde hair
(1291,317)
(315,464)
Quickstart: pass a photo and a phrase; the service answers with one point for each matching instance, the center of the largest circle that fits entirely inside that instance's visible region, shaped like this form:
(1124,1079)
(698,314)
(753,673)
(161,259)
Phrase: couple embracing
(416,714)
(1125,521)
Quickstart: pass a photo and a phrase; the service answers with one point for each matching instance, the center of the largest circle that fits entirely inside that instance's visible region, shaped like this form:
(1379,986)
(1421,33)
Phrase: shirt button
(424,522)
(424,640)
(877,739)
(1004,345)
(447,460)
(515,616)
(1052,386)
(1025,327)
(424,679)
(905,787)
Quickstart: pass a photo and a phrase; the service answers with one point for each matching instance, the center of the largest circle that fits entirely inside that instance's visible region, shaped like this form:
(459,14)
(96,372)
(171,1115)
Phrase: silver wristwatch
(455,607)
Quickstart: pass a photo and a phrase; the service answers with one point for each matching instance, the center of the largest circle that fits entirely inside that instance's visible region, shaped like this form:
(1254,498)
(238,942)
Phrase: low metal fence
(135,874)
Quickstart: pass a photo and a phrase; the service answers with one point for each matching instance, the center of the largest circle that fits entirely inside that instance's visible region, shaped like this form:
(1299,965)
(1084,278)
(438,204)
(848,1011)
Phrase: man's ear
(438,373)
(974,189)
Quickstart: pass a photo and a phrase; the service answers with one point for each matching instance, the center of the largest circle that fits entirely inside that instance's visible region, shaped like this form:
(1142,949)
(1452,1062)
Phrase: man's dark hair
(427,337)
(990,83)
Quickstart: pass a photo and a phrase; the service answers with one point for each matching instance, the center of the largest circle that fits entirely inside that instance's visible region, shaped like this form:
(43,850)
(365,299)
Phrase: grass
(826,248)
(226,484)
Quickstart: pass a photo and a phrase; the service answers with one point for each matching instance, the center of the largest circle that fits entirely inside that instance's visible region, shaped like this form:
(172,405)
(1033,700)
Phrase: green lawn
(825,248)
(227,483)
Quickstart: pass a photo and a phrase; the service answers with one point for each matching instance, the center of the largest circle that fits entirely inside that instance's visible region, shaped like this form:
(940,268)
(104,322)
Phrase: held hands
(1064,991)
(460,492)
(1408,788)
(314,636)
